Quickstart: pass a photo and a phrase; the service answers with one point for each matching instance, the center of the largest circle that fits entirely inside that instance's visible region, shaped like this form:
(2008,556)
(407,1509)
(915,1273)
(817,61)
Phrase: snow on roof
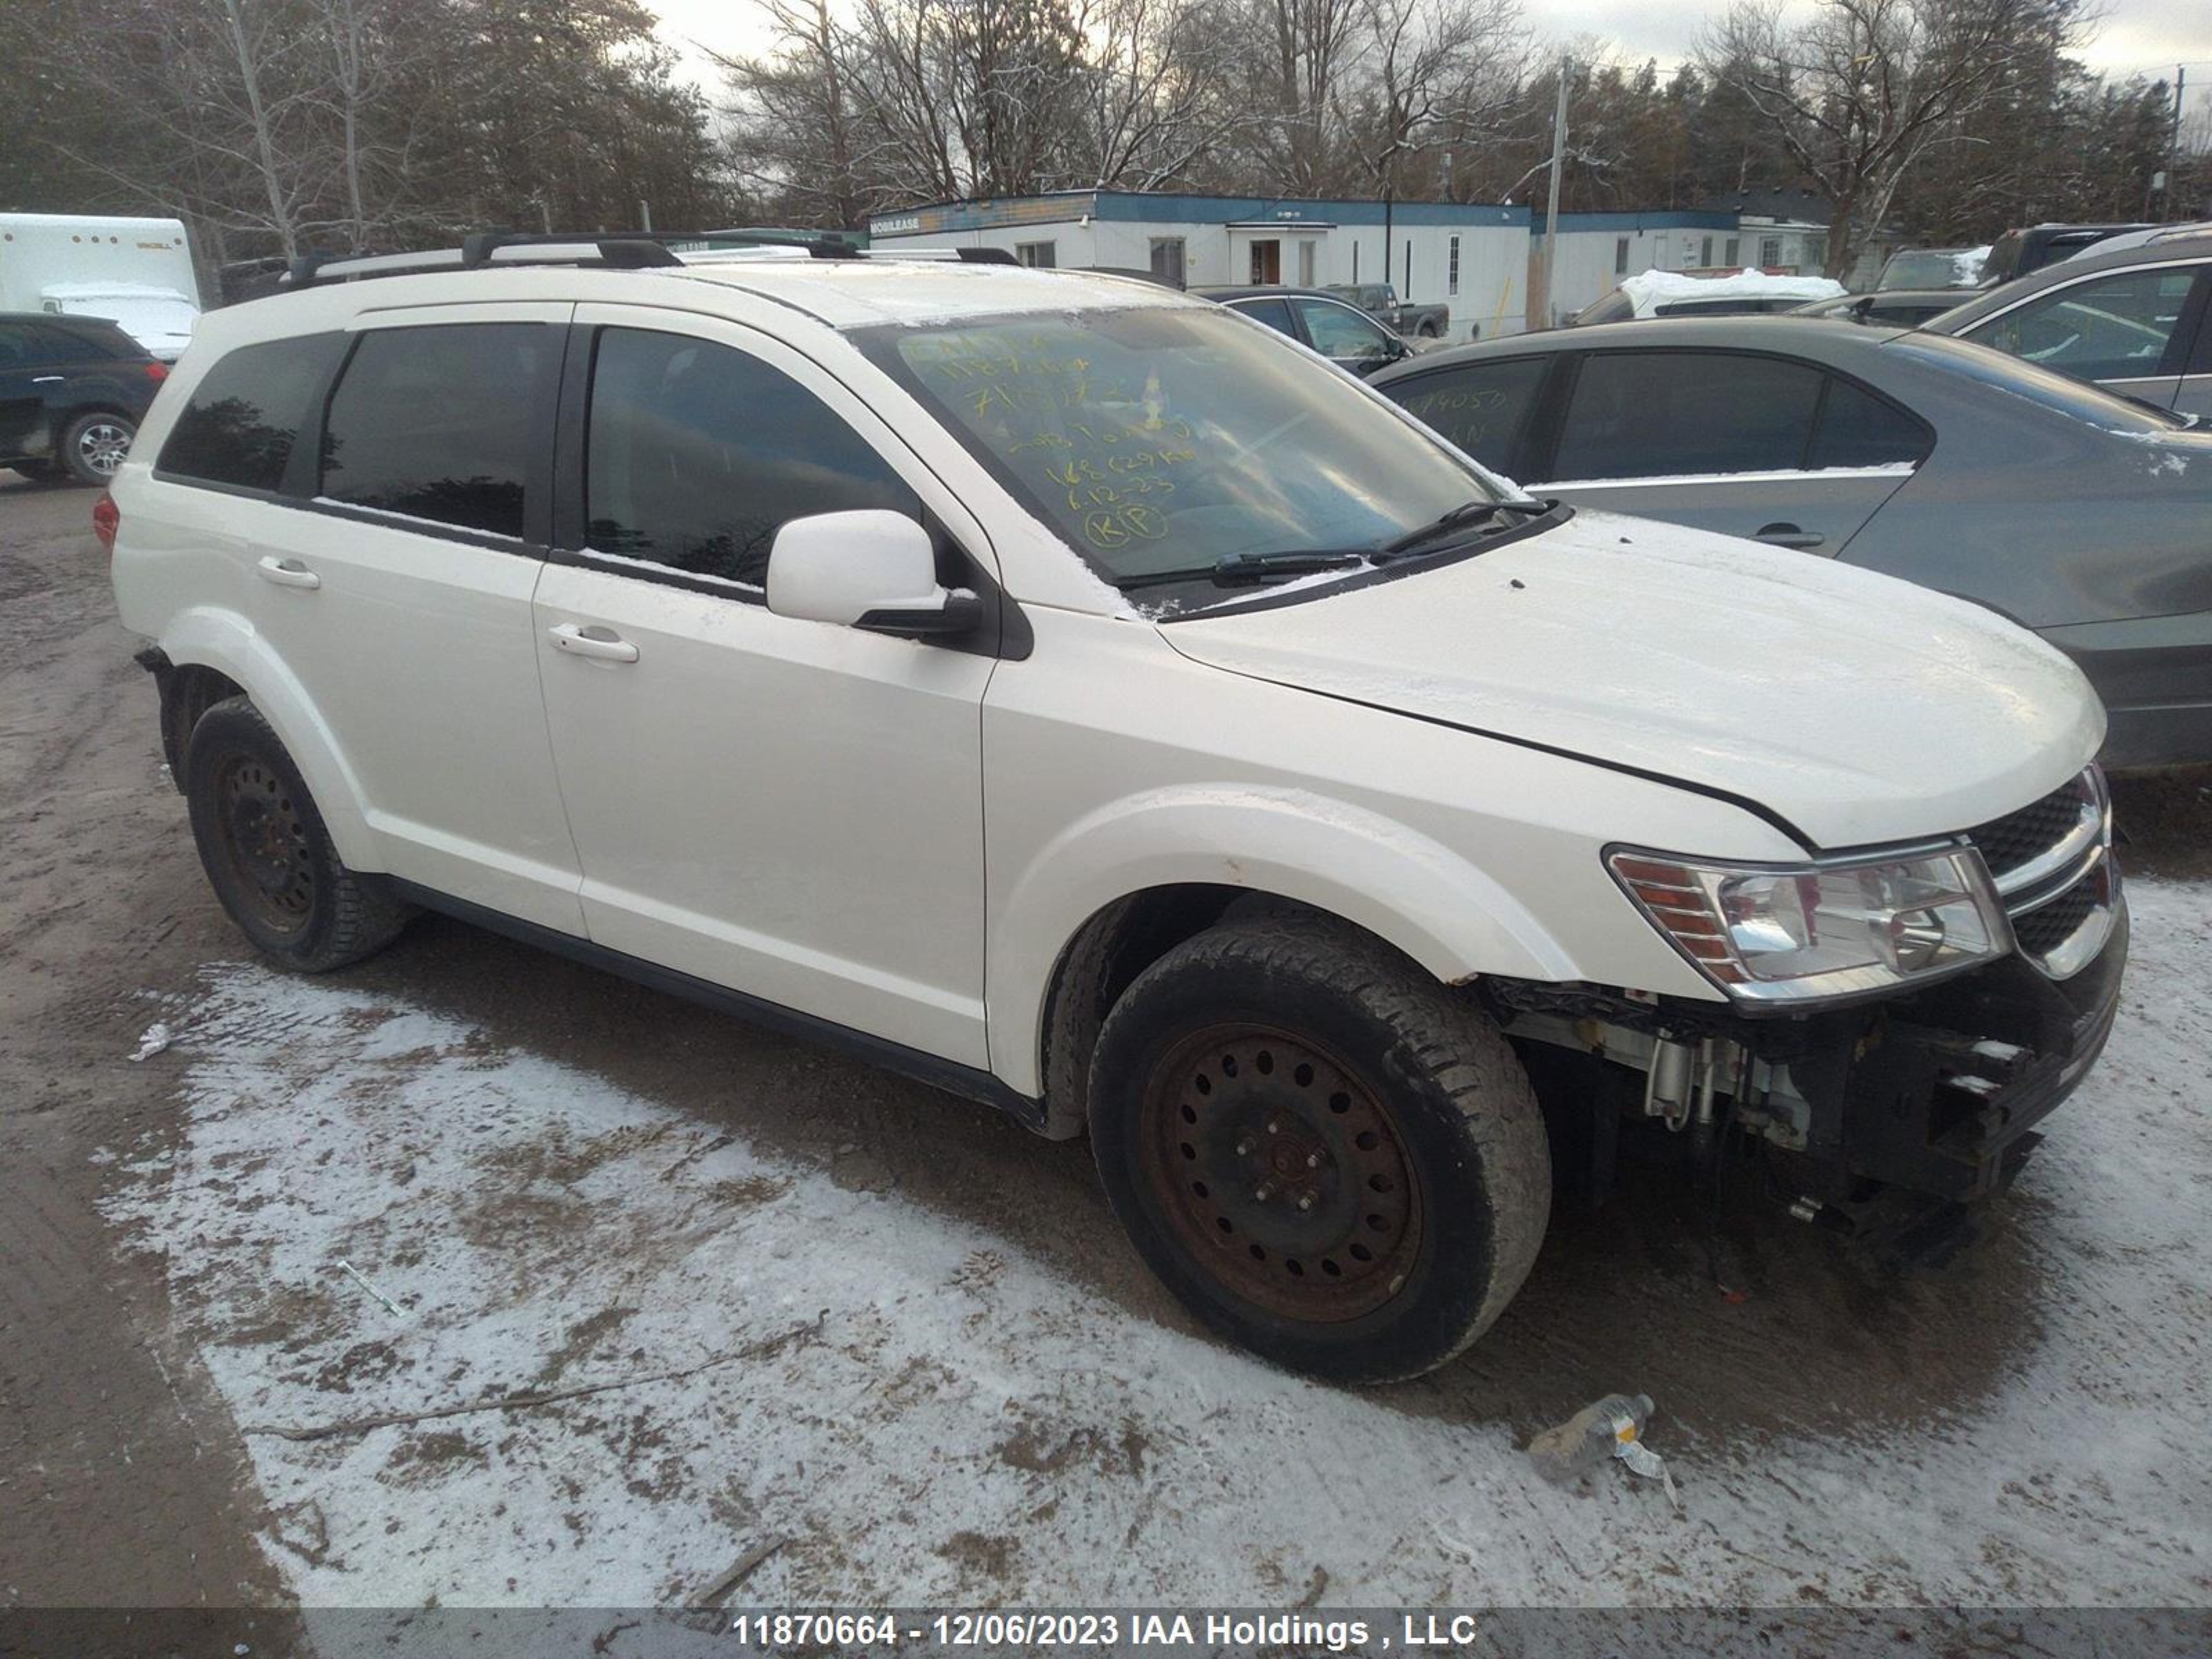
(1653,288)
(160,319)
(861,293)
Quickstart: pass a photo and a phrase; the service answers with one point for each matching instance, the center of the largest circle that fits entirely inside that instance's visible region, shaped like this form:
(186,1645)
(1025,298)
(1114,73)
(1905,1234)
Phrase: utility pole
(1539,291)
(2173,137)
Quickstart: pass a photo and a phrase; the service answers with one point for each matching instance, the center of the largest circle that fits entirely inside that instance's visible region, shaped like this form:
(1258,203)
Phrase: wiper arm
(1465,513)
(1234,568)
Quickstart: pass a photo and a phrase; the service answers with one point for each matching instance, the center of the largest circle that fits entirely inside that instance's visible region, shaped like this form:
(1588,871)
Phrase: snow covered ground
(926,1413)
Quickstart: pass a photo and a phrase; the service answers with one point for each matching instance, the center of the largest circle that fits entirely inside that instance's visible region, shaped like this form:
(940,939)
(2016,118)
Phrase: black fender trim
(966,1081)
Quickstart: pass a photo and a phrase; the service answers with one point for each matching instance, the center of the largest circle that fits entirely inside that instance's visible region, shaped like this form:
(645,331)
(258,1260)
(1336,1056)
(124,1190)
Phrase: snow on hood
(1860,709)
(1653,288)
(160,319)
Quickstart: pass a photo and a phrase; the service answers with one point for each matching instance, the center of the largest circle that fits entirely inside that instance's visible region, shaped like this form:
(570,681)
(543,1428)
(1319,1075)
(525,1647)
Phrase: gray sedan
(2085,516)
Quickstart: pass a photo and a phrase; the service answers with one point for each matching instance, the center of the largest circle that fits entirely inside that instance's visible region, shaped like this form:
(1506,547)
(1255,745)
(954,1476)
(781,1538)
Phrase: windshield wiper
(1465,513)
(1234,568)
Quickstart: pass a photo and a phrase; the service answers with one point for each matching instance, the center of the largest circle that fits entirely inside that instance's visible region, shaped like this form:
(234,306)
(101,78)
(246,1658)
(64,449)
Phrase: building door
(1267,262)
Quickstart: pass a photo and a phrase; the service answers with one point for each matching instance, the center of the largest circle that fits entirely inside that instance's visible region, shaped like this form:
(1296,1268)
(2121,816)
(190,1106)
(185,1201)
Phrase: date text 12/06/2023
(1162,1630)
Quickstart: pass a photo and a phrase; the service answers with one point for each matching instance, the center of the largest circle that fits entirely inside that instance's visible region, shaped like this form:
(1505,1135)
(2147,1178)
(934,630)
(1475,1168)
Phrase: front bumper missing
(1939,1093)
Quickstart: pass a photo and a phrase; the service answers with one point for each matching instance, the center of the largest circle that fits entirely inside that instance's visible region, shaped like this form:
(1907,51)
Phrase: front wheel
(1327,1157)
(93,446)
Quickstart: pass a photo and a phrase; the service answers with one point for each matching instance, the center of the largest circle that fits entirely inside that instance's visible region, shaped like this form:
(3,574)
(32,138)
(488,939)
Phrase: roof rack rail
(616,250)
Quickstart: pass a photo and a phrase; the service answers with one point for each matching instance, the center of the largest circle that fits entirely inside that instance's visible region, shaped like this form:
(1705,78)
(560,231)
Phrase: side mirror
(870,569)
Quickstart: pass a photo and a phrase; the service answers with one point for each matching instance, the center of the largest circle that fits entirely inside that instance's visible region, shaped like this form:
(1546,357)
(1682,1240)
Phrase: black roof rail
(618,250)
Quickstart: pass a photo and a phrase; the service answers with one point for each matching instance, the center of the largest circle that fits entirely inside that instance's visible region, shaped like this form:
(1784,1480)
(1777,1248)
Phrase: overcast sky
(2149,36)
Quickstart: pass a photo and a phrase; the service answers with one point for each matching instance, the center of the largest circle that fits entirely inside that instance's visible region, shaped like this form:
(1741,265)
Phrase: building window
(1306,264)
(1039,254)
(1406,287)
(1730,255)
(1267,262)
(1620,255)
(1355,265)
(1167,259)
(1770,251)
(1705,252)
(1451,267)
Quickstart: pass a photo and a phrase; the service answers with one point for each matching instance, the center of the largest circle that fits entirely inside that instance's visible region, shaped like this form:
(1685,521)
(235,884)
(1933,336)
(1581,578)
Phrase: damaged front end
(1880,1116)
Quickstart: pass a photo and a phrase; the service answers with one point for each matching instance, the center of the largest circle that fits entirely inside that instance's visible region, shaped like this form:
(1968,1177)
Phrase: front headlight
(1816,931)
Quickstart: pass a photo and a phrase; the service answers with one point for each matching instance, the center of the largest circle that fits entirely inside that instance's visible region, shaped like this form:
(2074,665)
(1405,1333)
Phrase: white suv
(1079,696)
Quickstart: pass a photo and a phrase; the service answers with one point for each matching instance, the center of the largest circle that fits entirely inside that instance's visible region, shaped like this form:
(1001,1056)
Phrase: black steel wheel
(267,853)
(1278,1164)
(1326,1155)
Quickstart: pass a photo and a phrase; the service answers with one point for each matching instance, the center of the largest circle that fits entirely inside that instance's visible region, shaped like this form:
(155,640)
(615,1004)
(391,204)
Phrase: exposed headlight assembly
(1814,932)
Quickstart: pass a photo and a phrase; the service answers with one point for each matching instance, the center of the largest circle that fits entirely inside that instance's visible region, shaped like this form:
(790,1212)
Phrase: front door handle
(287,572)
(1789,535)
(602,644)
(48,380)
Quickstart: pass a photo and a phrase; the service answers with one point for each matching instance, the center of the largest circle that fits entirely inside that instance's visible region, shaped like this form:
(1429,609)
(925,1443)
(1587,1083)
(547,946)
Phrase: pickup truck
(1380,300)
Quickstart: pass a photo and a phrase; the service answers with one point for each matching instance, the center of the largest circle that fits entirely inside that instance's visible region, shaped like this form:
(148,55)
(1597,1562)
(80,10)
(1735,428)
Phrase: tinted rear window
(2061,393)
(436,424)
(245,416)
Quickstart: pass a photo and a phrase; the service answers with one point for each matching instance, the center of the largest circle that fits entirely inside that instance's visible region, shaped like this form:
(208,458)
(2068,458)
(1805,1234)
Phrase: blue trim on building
(1670,219)
(1169,208)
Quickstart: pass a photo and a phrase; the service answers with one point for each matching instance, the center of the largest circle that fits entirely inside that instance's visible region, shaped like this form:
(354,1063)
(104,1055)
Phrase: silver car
(2085,516)
(2130,318)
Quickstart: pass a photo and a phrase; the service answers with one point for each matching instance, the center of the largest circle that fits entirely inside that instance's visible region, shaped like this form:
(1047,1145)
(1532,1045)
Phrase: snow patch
(930,1415)
(1650,290)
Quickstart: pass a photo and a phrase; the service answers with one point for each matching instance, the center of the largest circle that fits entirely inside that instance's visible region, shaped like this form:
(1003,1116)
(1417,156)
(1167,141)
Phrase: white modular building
(1473,258)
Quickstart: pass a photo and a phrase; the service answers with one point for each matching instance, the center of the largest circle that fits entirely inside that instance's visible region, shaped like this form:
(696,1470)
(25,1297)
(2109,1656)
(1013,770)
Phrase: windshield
(2054,390)
(1925,268)
(1166,439)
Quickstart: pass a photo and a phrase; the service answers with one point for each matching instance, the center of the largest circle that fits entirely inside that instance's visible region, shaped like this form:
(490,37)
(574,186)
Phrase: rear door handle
(287,572)
(602,644)
(1789,535)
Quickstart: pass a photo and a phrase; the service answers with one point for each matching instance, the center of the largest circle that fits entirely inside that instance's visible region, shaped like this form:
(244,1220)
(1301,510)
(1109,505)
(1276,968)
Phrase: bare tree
(1865,88)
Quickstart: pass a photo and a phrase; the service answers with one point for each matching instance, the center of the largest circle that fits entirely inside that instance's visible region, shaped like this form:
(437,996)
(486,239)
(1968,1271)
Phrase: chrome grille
(2051,864)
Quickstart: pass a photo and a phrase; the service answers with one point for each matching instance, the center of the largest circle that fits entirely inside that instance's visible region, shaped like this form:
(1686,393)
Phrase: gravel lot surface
(762,1293)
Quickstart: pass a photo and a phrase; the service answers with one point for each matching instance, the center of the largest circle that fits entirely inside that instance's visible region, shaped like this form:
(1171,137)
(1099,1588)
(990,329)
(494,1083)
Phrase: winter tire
(1326,1156)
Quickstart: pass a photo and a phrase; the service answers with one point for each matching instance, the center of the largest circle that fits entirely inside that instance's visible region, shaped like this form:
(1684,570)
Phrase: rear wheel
(1326,1156)
(93,445)
(266,851)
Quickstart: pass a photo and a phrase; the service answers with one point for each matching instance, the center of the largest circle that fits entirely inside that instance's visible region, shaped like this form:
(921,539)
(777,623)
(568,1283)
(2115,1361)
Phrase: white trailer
(137,272)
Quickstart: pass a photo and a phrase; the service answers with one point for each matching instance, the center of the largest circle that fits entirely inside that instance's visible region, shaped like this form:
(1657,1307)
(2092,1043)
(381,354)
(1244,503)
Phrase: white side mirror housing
(869,568)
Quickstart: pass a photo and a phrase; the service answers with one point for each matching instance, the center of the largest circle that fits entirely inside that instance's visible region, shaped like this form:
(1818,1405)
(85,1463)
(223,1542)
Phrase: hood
(1857,707)
(159,318)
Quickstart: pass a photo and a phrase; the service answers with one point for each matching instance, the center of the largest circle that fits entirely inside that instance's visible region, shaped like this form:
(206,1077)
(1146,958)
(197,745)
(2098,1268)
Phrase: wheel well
(186,694)
(1105,956)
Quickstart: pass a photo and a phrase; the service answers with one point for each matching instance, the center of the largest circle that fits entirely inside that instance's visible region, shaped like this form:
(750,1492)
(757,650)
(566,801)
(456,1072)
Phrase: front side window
(1483,408)
(436,424)
(1664,414)
(695,454)
(245,416)
(1339,332)
(1166,438)
(2111,328)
